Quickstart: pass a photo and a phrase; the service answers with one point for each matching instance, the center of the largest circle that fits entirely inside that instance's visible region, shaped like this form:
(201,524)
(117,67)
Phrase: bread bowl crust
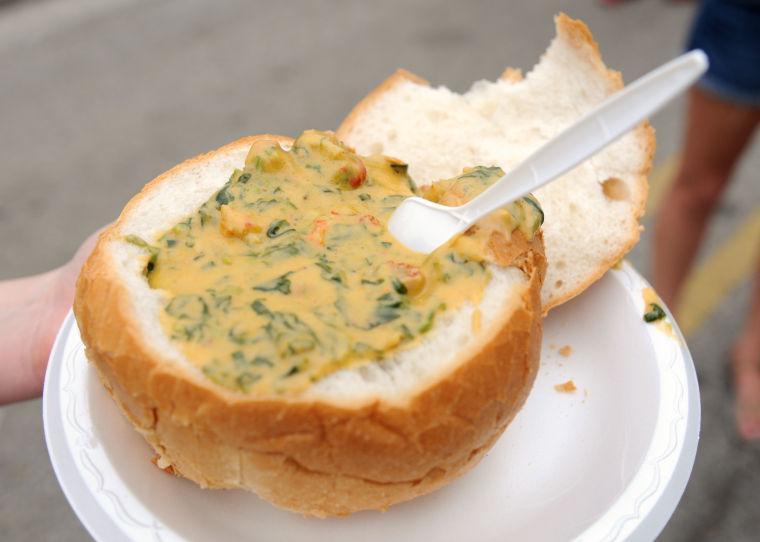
(578,34)
(311,456)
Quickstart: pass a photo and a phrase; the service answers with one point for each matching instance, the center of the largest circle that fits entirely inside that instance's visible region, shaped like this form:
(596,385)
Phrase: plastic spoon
(423,225)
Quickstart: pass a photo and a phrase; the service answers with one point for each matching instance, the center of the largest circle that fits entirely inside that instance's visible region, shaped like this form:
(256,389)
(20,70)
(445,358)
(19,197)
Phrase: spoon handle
(597,129)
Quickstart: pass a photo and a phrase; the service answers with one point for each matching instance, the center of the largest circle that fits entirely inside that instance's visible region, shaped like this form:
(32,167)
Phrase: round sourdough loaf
(362,438)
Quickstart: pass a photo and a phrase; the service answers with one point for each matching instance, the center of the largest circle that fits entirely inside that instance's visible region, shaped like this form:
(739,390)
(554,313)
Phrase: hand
(31,311)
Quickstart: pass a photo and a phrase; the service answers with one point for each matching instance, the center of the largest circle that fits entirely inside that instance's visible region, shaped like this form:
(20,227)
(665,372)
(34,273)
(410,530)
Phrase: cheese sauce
(288,272)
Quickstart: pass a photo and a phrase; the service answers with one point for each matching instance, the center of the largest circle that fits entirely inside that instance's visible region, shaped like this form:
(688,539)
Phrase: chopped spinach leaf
(482,172)
(412,185)
(393,201)
(237,336)
(259,308)
(327,270)
(286,330)
(293,370)
(203,215)
(389,308)
(153,251)
(399,286)
(401,169)
(245,380)
(140,242)
(261,360)
(288,249)
(384,314)
(654,313)
(278,228)
(221,301)
(239,359)
(533,203)
(455,258)
(280,284)
(224,197)
(187,307)
(262,204)
(428,323)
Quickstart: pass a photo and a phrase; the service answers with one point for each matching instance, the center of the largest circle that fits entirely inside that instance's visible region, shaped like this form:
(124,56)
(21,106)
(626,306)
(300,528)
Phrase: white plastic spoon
(423,225)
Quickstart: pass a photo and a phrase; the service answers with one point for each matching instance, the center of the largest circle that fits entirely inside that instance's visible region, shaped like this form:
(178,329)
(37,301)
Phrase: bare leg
(746,365)
(716,134)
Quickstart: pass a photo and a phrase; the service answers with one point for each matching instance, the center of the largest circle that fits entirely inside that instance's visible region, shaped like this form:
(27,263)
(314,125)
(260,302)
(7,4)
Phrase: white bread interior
(438,132)
(361,438)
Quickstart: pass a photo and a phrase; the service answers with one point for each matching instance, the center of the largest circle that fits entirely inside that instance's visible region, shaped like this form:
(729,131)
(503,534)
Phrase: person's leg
(716,133)
(746,365)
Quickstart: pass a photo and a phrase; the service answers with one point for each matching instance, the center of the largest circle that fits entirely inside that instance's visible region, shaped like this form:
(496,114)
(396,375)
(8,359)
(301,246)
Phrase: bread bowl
(361,437)
(375,433)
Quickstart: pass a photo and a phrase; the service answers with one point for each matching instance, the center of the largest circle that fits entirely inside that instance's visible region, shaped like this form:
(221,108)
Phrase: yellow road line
(721,272)
(660,179)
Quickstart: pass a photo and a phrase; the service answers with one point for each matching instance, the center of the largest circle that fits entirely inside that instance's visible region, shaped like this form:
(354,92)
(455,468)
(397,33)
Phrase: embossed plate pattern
(608,461)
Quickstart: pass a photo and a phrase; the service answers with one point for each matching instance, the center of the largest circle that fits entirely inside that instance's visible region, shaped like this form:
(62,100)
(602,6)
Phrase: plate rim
(684,427)
(664,473)
(83,503)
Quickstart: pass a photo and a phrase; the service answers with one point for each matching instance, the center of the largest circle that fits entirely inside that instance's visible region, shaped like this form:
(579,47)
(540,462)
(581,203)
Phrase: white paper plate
(607,462)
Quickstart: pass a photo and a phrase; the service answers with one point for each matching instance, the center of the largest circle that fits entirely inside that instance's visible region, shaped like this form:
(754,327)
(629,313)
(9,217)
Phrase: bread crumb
(566,387)
(566,350)
(163,464)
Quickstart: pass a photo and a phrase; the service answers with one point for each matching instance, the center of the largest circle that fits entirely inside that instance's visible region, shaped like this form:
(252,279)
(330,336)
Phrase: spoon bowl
(423,225)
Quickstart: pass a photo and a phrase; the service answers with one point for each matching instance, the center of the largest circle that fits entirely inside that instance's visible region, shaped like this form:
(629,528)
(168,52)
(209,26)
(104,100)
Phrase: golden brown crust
(310,456)
(576,32)
(511,75)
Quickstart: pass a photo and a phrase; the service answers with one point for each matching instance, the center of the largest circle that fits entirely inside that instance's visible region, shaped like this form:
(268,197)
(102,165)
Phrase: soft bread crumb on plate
(566,387)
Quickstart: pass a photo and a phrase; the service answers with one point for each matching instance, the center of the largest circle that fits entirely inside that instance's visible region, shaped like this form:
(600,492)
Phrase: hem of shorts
(726,92)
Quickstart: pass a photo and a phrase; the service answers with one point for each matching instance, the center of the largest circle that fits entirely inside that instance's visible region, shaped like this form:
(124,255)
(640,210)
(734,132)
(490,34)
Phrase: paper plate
(608,461)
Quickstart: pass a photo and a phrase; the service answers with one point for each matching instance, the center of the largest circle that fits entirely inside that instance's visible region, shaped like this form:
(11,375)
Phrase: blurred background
(99,96)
